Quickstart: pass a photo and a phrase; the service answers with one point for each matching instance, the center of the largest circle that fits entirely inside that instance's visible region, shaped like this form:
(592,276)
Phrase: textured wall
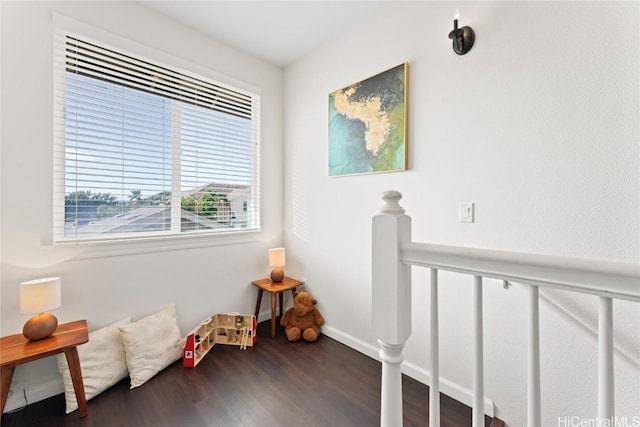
(538,125)
(200,281)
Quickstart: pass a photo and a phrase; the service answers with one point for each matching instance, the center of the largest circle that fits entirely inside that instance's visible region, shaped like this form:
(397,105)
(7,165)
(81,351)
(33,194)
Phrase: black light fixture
(463,38)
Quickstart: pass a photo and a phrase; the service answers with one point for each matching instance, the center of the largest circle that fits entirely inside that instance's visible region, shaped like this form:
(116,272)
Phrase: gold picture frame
(368,124)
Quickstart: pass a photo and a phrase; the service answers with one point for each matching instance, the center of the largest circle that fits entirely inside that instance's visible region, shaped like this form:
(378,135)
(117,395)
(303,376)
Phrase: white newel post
(391,286)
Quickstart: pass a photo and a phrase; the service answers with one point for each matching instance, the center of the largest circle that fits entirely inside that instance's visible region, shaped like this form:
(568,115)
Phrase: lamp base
(40,326)
(277,274)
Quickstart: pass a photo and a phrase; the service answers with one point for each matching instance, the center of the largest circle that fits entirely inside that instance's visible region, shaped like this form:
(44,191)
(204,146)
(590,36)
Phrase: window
(143,150)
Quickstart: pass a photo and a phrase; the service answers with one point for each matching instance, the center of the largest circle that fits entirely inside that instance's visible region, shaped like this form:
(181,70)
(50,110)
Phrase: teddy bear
(303,319)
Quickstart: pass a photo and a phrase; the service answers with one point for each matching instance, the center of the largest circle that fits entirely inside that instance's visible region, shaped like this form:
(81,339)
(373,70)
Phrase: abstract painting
(368,123)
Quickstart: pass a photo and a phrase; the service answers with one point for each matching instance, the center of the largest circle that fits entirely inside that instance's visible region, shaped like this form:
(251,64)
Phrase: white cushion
(151,344)
(102,361)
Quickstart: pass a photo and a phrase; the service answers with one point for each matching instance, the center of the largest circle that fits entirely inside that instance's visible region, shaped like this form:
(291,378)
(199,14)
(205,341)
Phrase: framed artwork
(368,125)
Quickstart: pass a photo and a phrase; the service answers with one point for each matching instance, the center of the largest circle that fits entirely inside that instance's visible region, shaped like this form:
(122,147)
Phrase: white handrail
(393,255)
(609,279)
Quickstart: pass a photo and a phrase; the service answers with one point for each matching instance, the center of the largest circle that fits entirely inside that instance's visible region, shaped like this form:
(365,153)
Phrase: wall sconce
(277,261)
(38,296)
(463,38)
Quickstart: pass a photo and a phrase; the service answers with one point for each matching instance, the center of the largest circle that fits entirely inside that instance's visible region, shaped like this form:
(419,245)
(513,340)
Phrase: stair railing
(393,255)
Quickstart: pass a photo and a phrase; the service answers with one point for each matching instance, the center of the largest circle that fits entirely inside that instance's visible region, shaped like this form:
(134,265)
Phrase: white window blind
(143,150)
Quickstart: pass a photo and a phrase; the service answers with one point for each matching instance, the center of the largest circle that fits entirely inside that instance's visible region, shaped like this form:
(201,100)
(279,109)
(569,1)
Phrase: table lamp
(38,296)
(276,261)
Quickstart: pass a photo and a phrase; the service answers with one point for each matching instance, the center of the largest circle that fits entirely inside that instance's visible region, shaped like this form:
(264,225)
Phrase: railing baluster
(605,358)
(478,362)
(434,353)
(533,373)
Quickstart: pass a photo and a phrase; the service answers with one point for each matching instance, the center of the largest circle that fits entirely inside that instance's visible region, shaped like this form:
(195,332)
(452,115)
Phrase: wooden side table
(16,350)
(275,289)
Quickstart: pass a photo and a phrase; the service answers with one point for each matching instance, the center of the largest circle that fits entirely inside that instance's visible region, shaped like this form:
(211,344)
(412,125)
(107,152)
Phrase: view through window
(143,150)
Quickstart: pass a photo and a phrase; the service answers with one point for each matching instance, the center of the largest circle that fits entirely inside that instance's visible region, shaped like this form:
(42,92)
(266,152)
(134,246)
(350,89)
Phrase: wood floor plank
(272,384)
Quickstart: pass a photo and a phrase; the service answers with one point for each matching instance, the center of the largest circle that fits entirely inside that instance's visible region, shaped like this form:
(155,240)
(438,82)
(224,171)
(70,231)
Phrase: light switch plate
(465,212)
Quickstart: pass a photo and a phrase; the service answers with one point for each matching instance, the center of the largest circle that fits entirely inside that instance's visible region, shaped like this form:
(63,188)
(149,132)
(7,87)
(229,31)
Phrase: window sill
(121,247)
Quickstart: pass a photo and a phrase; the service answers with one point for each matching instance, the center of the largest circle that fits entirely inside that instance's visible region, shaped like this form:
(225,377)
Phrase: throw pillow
(151,344)
(102,361)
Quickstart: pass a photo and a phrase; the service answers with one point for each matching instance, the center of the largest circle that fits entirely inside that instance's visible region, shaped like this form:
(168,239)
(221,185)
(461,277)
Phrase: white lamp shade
(276,257)
(40,295)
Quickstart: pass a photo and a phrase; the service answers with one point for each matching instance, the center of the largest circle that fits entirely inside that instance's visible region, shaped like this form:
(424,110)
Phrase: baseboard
(451,389)
(355,343)
(264,316)
(34,393)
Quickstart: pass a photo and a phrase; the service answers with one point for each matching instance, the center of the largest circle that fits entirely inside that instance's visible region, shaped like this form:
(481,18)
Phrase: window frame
(144,242)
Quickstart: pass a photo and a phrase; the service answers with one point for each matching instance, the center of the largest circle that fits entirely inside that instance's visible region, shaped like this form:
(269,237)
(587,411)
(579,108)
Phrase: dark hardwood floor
(274,383)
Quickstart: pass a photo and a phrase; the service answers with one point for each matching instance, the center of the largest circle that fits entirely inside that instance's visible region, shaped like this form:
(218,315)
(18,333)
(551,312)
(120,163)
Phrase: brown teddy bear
(302,320)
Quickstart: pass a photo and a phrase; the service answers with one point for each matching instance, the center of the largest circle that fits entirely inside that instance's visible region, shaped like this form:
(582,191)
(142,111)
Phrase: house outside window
(144,150)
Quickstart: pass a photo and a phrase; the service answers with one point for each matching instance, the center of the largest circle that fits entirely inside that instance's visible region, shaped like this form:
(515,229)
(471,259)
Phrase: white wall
(199,281)
(538,125)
